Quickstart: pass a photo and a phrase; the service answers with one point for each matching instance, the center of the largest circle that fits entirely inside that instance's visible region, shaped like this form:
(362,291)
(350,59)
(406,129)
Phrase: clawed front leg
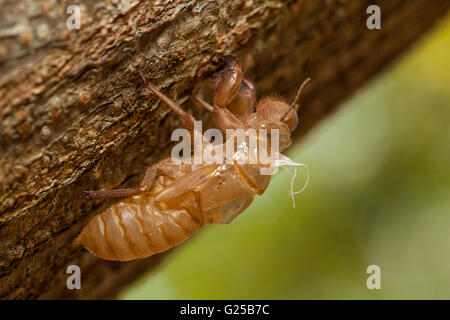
(227,82)
(245,99)
(243,102)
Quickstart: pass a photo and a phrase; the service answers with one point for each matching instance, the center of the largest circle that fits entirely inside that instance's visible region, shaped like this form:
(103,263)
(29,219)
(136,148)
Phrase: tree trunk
(75,116)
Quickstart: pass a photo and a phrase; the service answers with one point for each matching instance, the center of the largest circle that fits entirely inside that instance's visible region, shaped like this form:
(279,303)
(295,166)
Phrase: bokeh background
(379,194)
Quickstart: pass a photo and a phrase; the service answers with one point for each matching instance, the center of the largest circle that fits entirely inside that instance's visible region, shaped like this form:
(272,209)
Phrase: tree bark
(75,116)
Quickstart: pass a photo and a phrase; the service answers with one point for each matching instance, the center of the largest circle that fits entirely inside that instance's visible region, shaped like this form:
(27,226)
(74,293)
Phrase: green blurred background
(379,194)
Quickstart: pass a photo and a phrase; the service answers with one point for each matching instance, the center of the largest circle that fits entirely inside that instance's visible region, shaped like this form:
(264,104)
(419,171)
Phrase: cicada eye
(291,119)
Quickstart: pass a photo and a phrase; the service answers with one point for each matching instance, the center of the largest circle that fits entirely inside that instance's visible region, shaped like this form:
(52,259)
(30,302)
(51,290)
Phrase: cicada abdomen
(135,228)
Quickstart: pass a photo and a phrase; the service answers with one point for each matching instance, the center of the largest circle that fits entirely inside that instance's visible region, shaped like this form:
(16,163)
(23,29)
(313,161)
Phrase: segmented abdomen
(136,228)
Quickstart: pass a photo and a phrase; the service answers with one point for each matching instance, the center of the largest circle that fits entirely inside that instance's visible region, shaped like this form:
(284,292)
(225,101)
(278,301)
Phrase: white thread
(286,162)
(282,161)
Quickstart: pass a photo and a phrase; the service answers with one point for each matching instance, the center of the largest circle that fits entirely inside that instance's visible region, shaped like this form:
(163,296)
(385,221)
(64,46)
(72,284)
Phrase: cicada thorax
(216,193)
(205,191)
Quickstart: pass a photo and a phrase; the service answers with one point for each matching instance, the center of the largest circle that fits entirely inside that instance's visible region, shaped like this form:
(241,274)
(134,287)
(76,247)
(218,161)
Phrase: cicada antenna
(295,104)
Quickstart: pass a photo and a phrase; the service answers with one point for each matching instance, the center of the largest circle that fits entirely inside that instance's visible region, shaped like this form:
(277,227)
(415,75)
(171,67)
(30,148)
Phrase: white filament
(279,160)
(284,162)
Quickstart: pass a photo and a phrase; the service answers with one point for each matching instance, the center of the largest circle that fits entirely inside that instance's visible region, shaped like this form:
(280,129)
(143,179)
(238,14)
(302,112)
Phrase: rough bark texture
(74,115)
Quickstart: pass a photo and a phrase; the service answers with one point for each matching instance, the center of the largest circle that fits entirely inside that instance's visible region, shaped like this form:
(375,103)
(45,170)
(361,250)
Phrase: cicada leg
(120,193)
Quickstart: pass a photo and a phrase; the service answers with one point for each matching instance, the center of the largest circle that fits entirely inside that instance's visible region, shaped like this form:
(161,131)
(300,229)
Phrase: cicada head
(277,110)
(275,114)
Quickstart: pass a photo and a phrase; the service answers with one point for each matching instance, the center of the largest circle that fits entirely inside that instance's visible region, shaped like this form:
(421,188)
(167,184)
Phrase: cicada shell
(176,199)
